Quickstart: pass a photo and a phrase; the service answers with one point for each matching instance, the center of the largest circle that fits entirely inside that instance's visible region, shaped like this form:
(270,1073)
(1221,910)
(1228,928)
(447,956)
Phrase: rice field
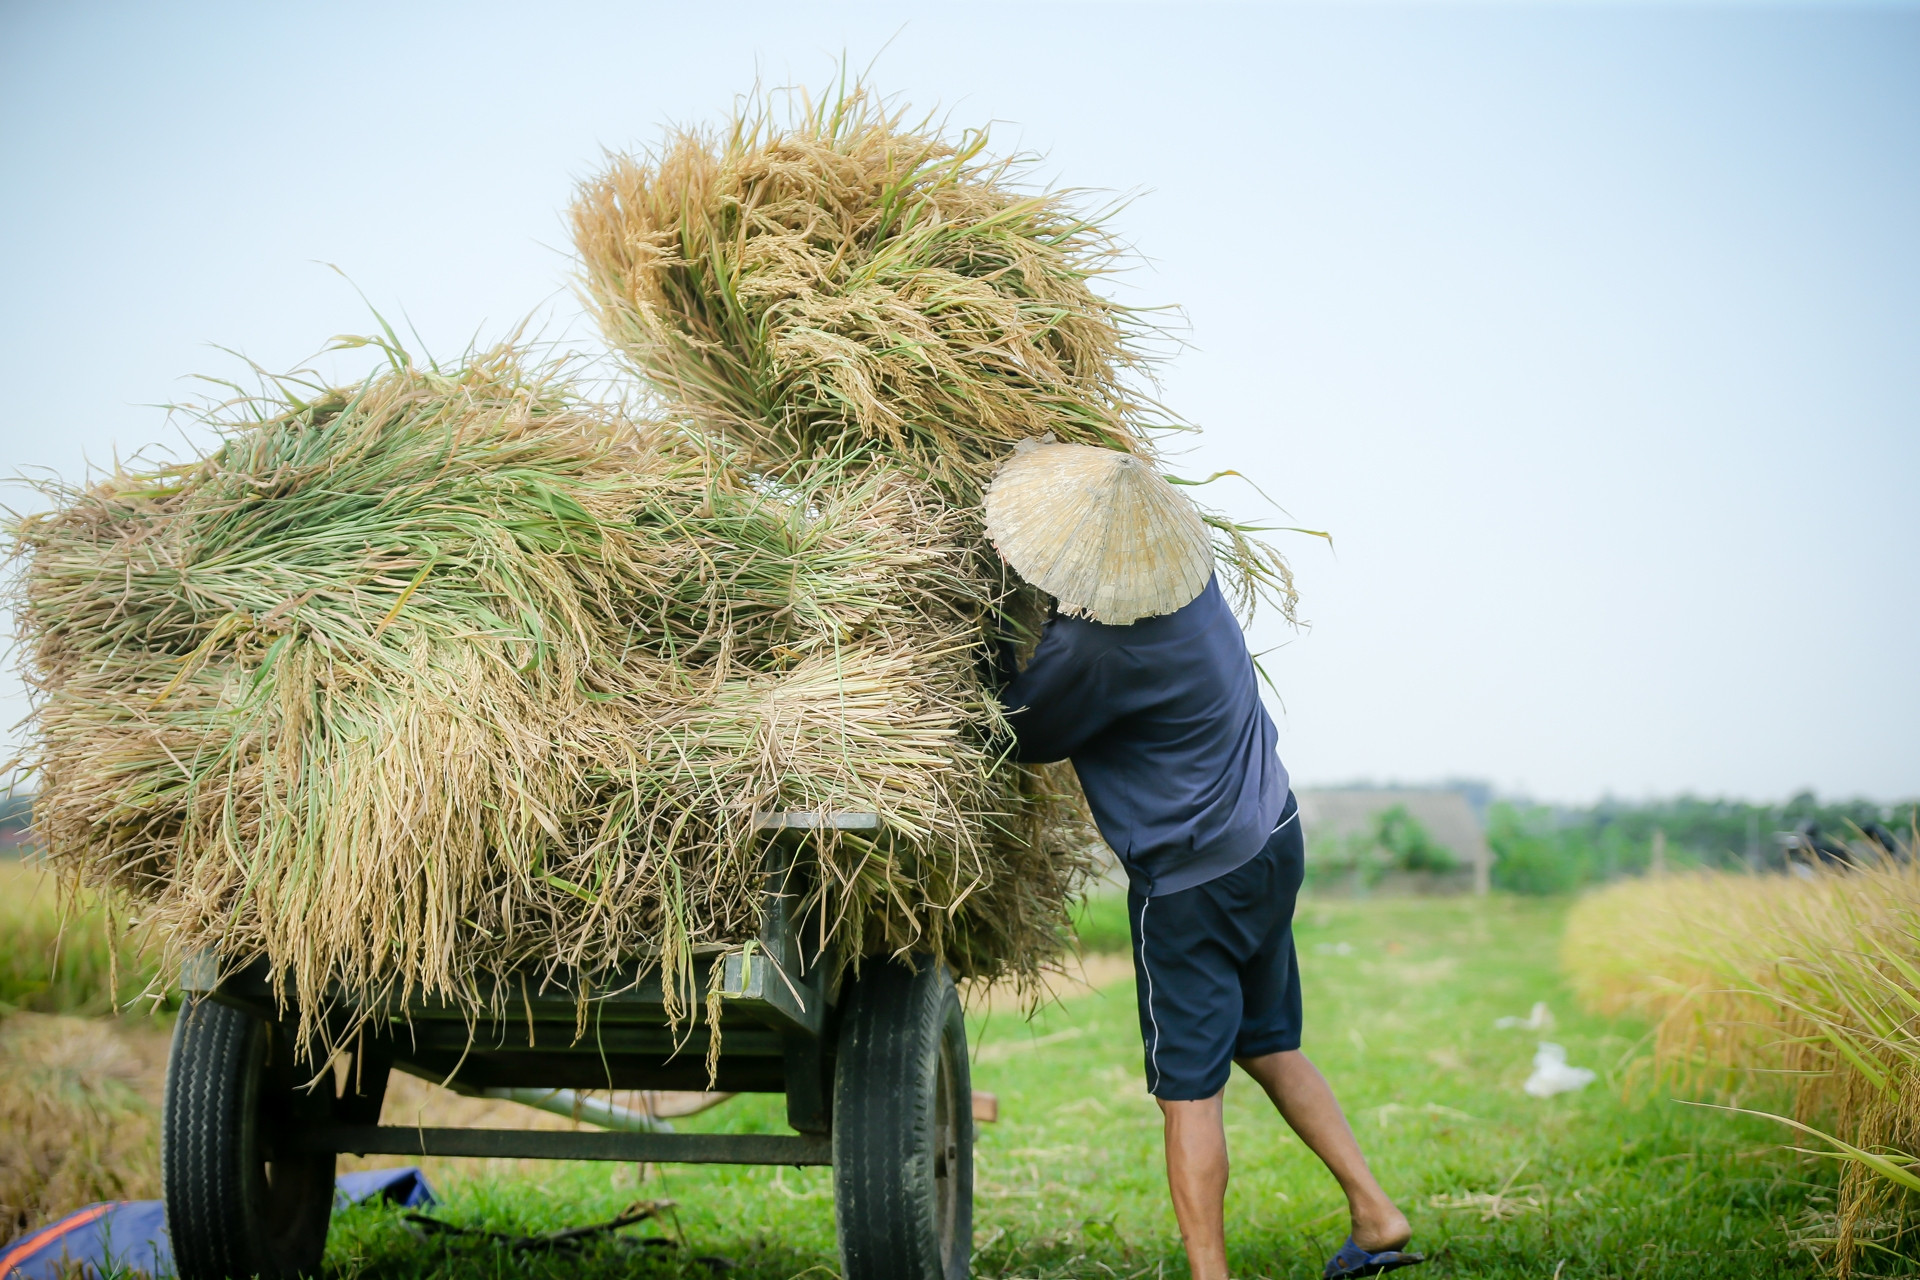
(59,955)
(79,1092)
(1790,994)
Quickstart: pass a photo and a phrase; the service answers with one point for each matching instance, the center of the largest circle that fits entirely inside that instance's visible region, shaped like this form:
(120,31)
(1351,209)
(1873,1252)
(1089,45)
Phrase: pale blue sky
(1592,332)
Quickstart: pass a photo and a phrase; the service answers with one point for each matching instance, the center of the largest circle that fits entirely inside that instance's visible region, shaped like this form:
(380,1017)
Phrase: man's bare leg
(1197,1175)
(1307,1104)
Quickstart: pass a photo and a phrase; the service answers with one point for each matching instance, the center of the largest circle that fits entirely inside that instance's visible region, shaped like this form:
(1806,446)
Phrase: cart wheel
(236,1206)
(903,1128)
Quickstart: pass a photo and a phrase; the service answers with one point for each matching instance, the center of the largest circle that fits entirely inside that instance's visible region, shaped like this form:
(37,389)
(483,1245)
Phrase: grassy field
(79,1090)
(54,956)
(1402,997)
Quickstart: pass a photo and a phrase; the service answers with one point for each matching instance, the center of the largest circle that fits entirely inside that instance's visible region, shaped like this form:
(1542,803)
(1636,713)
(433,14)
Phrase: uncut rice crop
(63,951)
(77,1115)
(1783,990)
(446,672)
(76,1093)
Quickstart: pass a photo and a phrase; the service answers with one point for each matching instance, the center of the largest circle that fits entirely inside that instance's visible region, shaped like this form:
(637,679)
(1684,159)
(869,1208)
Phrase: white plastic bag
(1541,1019)
(1552,1075)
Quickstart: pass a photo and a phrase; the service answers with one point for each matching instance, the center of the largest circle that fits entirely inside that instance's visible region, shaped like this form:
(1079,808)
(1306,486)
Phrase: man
(1152,696)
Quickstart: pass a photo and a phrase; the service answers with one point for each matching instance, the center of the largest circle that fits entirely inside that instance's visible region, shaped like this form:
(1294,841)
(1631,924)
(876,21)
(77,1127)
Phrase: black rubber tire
(237,1205)
(903,1128)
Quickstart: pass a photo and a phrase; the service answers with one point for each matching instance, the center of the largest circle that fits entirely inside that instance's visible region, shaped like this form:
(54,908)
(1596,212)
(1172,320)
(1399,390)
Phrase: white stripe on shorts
(1153,1049)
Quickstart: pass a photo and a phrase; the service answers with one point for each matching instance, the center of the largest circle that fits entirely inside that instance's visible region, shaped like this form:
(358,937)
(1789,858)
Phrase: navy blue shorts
(1215,972)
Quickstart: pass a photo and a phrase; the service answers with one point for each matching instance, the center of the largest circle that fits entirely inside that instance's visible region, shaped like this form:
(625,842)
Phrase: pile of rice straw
(414,681)
(838,280)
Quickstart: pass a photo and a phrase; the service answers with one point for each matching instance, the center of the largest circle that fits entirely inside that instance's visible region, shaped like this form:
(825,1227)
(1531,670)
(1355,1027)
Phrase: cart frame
(886,1051)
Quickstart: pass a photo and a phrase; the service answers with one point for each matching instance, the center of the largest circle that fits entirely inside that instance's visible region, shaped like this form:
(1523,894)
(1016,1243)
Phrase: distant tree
(16,810)
(1408,844)
(1542,850)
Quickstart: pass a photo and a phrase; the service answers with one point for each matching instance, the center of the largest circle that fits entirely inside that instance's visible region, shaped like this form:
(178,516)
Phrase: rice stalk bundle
(835,278)
(1803,989)
(412,682)
(840,279)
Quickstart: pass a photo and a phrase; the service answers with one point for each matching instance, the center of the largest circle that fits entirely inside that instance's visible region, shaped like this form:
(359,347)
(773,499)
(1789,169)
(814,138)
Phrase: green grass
(1101,922)
(1401,1001)
(55,955)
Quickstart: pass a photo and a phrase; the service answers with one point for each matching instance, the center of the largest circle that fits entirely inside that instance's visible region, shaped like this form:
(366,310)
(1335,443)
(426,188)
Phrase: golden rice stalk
(1779,984)
(838,278)
(448,672)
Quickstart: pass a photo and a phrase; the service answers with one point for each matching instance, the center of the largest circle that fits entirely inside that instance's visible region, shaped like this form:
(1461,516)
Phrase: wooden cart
(874,1069)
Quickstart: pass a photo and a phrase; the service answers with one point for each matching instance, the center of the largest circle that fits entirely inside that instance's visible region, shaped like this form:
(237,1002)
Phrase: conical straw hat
(1099,530)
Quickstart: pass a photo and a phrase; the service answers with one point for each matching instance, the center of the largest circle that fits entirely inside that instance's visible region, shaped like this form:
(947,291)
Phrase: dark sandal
(1354,1261)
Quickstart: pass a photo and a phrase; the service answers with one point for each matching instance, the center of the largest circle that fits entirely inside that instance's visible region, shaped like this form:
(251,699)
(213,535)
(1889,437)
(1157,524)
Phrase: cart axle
(563,1144)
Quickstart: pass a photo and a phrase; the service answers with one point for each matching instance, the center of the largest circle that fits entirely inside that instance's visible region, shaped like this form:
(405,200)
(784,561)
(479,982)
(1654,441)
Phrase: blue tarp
(405,1187)
(129,1237)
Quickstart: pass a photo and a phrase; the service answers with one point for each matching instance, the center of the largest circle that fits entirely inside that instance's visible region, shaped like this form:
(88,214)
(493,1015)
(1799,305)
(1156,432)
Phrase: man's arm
(1059,701)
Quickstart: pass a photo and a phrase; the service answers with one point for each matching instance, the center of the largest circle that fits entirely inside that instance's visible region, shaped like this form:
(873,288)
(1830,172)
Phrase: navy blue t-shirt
(1163,722)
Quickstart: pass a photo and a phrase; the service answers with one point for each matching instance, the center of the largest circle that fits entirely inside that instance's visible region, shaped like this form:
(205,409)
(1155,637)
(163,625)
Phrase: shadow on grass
(381,1244)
